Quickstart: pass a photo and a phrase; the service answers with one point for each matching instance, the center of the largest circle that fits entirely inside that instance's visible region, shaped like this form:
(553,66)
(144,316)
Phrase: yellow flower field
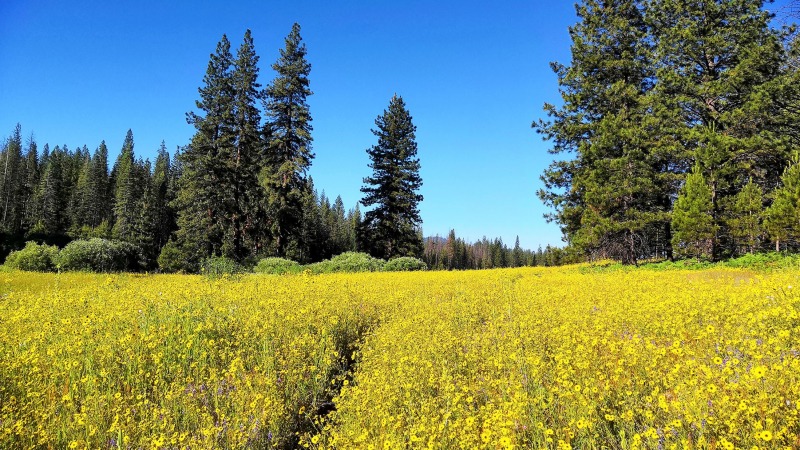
(516,358)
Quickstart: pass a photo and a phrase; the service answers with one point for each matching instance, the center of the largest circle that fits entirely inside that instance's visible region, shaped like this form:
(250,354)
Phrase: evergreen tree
(517,255)
(11,177)
(692,222)
(288,153)
(100,205)
(614,192)
(29,184)
(127,192)
(716,61)
(354,220)
(245,214)
(144,225)
(82,199)
(51,197)
(782,218)
(159,201)
(340,235)
(203,200)
(391,226)
(744,221)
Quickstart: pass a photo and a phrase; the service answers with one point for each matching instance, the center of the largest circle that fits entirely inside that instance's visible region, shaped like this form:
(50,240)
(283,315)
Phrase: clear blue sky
(473,74)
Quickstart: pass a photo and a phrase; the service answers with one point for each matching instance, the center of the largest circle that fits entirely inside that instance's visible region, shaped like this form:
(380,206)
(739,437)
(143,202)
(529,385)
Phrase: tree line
(678,131)
(455,253)
(240,189)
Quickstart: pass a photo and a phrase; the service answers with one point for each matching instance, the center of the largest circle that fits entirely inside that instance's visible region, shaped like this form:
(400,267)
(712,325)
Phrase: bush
(174,258)
(217,266)
(405,264)
(348,262)
(34,257)
(100,255)
(771,260)
(277,266)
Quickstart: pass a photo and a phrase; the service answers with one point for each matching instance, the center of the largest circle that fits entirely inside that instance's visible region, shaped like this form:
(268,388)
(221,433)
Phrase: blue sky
(474,76)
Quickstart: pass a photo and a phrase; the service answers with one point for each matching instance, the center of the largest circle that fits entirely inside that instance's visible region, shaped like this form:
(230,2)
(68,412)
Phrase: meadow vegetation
(514,358)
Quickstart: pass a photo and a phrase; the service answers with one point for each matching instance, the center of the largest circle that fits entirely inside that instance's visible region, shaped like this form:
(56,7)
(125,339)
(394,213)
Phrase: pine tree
(161,211)
(51,198)
(82,200)
(100,205)
(245,213)
(692,222)
(29,184)
(517,255)
(144,224)
(782,218)
(613,192)
(391,226)
(716,62)
(11,202)
(288,153)
(203,196)
(744,221)
(340,235)
(354,220)
(127,192)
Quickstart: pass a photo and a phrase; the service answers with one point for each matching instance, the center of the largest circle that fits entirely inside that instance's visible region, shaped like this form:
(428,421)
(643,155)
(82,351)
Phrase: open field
(516,358)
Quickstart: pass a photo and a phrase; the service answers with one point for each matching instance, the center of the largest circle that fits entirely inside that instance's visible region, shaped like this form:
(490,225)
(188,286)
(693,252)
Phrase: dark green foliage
(718,62)
(217,266)
(34,257)
(654,88)
(288,152)
(693,225)
(12,179)
(172,258)
(391,228)
(128,190)
(52,196)
(744,218)
(30,182)
(782,218)
(159,198)
(404,264)
(201,201)
(612,196)
(218,192)
(99,255)
(277,266)
(348,262)
(246,215)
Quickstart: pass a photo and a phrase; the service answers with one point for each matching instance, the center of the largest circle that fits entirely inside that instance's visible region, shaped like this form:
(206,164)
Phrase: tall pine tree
(390,228)
(288,152)
(716,62)
(613,193)
(203,197)
(127,192)
(245,215)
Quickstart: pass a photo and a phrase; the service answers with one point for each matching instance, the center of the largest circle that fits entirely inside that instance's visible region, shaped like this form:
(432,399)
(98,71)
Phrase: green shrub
(404,264)
(217,266)
(34,257)
(277,266)
(100,255)
(348,262)
(771,260)
(174,259)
